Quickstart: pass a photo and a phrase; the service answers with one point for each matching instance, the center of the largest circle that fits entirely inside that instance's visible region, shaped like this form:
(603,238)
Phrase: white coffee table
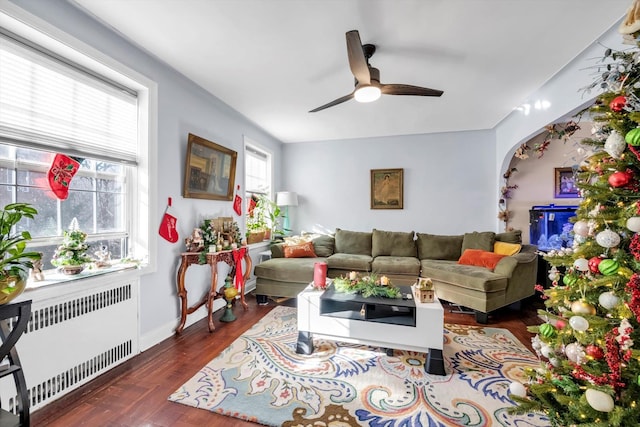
(353,319)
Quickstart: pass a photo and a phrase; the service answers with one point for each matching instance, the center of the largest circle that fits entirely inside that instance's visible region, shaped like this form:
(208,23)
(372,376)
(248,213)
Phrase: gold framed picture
(387,188)
(210,170)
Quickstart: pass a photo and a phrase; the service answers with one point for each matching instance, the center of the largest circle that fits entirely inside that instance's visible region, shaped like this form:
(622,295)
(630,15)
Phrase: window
(49,105)
(257,170)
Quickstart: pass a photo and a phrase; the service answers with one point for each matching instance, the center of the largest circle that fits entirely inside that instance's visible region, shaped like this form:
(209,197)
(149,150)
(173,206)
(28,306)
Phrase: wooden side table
(213,258)
(9,336)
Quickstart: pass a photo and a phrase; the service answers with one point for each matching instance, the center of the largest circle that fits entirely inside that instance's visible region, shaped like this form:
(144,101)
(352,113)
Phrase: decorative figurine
(195,242)
(103,256)
(36,273)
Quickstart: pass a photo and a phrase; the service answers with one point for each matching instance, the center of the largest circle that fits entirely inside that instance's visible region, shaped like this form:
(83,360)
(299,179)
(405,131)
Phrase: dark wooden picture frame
(565,184)
(210,170)
(387,188)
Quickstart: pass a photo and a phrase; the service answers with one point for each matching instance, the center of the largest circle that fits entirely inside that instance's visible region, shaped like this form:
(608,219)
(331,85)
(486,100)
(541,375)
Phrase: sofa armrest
(509,264)
(506,266)
(521,270)
(527,254)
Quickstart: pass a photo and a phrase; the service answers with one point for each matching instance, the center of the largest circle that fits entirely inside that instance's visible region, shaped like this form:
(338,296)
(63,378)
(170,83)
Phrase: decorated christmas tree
(589,346)
(72,251)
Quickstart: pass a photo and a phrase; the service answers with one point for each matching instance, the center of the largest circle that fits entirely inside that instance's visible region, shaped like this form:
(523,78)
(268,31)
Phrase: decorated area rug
(260,378)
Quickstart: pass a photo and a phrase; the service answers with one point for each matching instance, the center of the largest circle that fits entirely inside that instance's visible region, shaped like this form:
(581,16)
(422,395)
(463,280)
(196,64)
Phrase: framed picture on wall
(210,170)
(565,184)
(386,188)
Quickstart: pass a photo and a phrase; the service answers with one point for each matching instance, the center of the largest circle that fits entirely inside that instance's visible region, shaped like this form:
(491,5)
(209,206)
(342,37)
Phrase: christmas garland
(367,286)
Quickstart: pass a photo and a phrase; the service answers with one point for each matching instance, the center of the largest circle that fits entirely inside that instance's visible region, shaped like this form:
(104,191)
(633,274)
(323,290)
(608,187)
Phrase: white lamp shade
(287,198)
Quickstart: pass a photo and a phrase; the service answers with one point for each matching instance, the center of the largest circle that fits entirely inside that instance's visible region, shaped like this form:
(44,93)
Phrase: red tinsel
(633,288)
(634,246)
(612,378)
(613,358)
(604,379)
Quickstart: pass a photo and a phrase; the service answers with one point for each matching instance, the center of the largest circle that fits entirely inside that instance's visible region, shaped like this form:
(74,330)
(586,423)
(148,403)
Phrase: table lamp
(286,199)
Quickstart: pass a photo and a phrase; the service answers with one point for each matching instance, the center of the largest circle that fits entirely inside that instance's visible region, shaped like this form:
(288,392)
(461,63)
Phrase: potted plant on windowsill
(70,257)
(15,262)
(256,224)
(264,218)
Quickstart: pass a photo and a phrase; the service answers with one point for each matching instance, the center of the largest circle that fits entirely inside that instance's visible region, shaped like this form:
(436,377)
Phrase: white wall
(183,108)
(449,183)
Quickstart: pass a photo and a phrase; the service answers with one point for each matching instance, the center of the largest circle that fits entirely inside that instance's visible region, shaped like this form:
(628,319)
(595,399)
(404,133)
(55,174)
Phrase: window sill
(259,245)
(52,277)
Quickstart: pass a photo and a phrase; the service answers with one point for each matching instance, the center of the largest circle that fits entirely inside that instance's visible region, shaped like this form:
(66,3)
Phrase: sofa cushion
(393,243)
(514,236)
(479,240)
(432,246)
(465,276)
(480,258)
(508,249)
(353,242)
(349,262)
(302,250)
(323,245)
(396,265)
(293,270)
(277,250)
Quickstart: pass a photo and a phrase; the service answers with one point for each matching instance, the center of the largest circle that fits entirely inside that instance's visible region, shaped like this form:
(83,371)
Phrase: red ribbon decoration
(238,255)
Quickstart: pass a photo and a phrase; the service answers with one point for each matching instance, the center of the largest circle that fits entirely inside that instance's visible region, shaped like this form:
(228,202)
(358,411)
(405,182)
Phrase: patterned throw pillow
(303,250)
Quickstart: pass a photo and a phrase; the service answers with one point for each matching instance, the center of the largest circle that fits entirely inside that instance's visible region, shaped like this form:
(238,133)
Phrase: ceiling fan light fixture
(367,93)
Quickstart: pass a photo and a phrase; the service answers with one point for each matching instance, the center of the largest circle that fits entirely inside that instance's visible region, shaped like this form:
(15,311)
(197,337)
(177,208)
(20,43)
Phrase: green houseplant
(15,261)
(264,218)
(256,222)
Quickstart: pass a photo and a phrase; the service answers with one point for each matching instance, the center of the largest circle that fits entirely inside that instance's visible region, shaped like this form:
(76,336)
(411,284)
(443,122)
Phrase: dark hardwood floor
(135,393)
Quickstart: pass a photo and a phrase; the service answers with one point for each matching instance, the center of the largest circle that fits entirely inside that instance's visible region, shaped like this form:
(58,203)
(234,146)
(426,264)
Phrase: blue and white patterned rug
(260,378)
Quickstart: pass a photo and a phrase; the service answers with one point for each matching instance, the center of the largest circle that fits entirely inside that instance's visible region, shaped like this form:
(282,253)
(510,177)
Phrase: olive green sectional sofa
(405,256)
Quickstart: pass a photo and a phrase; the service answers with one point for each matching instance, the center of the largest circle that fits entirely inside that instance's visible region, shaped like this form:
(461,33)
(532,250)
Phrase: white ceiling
(274,60)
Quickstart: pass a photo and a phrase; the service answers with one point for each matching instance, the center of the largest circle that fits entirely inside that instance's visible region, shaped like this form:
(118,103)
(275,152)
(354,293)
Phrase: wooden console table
(213,258)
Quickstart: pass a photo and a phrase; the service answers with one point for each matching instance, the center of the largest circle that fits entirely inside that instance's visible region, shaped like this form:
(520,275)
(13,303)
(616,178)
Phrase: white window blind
(257,171)
(46,102)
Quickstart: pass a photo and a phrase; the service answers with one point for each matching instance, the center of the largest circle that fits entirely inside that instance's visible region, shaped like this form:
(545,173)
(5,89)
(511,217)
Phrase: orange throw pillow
(303,250)
(480,258)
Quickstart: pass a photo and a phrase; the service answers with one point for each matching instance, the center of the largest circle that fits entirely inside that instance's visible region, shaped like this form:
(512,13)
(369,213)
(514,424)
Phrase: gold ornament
(582,307)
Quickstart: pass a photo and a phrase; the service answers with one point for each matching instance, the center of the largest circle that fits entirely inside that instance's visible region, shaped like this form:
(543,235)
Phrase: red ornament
(618,103)
(594,351)
(619,179)
(560,324)
(593,264)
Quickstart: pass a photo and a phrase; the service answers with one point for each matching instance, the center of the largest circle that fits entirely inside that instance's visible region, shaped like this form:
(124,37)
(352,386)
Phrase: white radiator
(77,331)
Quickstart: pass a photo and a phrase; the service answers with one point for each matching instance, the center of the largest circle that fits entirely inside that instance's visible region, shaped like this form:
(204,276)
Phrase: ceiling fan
(368,87)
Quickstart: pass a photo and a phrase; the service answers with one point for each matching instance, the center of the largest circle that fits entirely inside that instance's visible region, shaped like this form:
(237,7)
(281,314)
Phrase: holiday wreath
(367,286)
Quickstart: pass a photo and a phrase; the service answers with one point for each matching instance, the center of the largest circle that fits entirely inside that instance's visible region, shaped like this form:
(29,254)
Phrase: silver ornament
(608,300)
(615,145)
(633,224)
(608,239)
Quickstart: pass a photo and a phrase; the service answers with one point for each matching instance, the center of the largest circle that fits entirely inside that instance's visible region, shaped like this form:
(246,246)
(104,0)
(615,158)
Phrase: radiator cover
(77,331)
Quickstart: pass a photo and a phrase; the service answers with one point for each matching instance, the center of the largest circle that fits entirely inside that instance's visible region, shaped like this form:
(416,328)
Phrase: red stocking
(62,170)
(237,203)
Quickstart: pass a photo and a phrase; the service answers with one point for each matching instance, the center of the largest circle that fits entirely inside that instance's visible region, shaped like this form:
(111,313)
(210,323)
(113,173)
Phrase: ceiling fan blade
(357,60)
(334,102)
(399,89)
